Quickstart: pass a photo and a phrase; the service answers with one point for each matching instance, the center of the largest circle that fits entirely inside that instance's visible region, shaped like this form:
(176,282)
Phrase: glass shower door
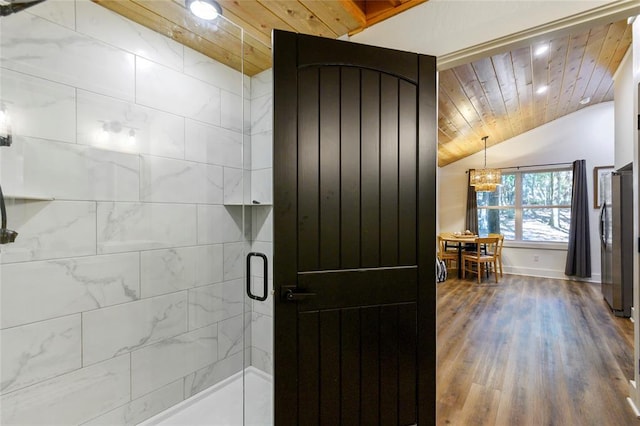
(258,378)
(123,297)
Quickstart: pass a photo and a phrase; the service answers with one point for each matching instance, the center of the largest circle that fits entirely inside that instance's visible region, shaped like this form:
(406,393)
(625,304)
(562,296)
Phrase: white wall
(438,27)
(636,203)
(624,93)
(586,134)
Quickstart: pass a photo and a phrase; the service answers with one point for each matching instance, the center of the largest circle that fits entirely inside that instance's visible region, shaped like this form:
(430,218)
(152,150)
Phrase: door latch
(292,294)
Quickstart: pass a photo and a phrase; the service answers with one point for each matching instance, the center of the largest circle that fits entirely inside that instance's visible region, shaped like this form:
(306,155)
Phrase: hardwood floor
(531,351)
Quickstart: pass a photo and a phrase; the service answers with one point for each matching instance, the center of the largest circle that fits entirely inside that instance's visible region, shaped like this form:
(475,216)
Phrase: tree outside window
(528,206)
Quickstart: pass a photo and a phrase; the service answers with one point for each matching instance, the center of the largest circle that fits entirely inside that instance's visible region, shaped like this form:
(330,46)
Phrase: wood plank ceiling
(500,96)
(513,92)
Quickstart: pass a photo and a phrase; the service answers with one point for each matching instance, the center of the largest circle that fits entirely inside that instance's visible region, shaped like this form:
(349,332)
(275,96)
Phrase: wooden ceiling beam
(333,14)
(299,17)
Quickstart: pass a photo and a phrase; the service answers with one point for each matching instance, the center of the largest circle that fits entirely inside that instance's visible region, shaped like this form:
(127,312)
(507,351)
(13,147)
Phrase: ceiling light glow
(541,90)
(540,50)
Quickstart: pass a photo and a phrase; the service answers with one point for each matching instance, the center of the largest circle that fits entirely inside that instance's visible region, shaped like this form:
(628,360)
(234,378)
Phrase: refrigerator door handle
(603,240)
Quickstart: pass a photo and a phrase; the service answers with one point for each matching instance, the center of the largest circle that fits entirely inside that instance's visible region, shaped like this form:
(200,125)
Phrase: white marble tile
(50,229)
(257,267)
(230,336)
(169,90)
(117,125)
(143,226)
(234,260)
(37,107)
(262,84)
(179,181)
(209,266)
(232,111)
(37,291)
(233,186)
(72,398)
(246,118)
(217,302)
(262,360)
(213,145)
(62,12)
(41,48)
(116,330)
(262,185)
(219,224)
(261,114)
(262,150)
(105,25)
(262,225)
(246,152)
(168,271)
(262,332)
(248,314)
(262,307)
(40,351)
(142,408)
(206,69)
(212,374)
(166,361)
(72,172)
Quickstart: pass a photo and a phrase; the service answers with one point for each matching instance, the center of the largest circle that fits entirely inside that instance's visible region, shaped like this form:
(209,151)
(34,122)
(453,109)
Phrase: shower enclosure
(138,181)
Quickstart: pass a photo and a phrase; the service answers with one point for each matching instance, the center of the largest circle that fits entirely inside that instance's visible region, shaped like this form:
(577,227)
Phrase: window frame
(519,208)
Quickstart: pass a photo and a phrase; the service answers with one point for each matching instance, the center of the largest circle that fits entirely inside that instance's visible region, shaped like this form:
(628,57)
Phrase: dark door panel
(360,287)
(354,227)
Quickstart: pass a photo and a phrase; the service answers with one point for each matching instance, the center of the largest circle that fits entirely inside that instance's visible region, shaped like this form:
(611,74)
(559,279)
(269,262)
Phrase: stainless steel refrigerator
(616,240)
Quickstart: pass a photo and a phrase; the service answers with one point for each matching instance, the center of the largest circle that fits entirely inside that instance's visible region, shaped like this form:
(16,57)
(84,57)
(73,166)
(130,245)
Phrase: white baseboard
(547,273)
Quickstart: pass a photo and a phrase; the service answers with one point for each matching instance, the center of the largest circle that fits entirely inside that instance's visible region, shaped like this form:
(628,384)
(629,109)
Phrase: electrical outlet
(536,258)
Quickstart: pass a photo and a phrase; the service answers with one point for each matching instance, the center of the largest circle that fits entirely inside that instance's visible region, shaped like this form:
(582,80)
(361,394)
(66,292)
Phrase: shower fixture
(6,235)
(8,7)
(5,127)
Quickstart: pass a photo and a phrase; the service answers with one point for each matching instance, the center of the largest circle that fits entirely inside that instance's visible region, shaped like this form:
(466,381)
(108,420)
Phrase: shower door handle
(265,276)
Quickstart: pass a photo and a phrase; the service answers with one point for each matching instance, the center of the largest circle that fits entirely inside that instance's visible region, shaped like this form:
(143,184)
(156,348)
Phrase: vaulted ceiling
(500,96)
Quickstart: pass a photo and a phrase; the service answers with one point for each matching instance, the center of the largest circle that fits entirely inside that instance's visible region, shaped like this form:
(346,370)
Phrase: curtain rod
(533,165)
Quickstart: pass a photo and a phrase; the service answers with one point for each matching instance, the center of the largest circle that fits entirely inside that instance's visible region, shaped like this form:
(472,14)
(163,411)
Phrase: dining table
(460,240)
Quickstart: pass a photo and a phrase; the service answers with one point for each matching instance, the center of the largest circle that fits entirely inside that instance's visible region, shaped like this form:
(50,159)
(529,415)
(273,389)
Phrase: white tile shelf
(31,197)
(249,204)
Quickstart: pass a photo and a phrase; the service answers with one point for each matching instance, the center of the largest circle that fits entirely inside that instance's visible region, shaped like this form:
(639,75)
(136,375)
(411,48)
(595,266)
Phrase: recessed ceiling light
(204,9)
(541,90)
(540,50)
(585,101)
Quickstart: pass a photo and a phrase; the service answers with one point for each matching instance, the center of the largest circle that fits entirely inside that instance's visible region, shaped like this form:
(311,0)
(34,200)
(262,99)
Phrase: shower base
(222,404)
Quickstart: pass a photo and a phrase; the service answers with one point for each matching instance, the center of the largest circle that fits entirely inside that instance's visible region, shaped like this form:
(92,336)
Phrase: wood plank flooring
(531,351)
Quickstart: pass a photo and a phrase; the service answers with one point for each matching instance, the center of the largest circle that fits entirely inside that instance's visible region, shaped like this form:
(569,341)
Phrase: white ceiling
(440,27)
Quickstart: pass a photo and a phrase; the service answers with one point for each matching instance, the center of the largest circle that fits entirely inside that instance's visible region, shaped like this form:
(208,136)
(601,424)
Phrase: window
(528,206)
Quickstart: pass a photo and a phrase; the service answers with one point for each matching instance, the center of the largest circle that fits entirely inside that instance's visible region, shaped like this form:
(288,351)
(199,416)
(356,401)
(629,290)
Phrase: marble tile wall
(262,218)
(124,292)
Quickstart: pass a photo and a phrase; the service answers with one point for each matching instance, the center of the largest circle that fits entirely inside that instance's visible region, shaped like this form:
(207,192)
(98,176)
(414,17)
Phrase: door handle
(264,277)
(291,295)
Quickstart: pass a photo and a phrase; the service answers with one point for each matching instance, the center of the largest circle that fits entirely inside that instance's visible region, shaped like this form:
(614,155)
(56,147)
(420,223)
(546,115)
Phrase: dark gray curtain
(579,252)
(471,218)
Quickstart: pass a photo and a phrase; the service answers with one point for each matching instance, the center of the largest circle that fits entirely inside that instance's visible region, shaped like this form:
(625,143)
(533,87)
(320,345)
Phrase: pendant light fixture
(204,9)
(485,180)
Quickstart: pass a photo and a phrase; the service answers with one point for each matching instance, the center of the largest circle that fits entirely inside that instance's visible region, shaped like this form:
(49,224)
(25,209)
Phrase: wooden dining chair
(448,256)
(500,238)
(481,259)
